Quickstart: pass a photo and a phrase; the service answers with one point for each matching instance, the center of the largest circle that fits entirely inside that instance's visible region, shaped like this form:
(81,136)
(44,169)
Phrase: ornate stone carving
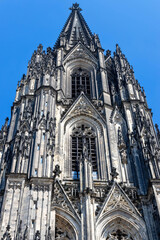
(82,108)
(118,200)
(114,174)
(37,236)
(15,184)
(6,235)
(121,142)
(39,187)
(56,171)
(42,62)
(122,146)
(28,111)
(59,198)
(27,153)
(119,235)
(61,234)
(72,191)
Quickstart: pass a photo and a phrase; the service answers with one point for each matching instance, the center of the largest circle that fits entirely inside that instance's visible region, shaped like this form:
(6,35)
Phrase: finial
(108,53)
(8,228)
(157,130)
(114,174)
(39,48)
(23,77)
(117,46)
(75,6)
(6,120)
(49,50)
(57,171)
(118,49)
(6,124)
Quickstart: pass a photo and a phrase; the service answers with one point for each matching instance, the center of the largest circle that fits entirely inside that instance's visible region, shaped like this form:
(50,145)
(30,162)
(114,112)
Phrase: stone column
(86,194)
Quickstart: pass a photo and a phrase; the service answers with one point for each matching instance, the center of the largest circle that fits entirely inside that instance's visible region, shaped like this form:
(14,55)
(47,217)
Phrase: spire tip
(75,6)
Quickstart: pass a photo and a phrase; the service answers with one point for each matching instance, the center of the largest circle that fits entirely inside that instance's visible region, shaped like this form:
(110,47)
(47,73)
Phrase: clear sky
(133,24)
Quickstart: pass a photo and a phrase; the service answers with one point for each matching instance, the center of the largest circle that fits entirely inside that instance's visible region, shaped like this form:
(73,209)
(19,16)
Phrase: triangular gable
(82,106)
(24,126)
(61,199)
(80,51)
(117,200)
(42,122)
(116,116)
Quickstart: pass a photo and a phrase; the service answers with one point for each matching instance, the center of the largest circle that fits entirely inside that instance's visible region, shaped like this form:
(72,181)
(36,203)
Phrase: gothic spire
(75,29)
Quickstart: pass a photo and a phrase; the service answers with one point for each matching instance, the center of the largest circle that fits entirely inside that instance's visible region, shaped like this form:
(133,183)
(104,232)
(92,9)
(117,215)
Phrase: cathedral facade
(80,158)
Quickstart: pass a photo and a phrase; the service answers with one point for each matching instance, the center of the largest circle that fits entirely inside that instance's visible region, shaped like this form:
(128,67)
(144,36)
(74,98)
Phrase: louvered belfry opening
(78,134)
(81,82)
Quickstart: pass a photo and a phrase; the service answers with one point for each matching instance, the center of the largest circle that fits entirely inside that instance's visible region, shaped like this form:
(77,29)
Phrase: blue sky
(133,24)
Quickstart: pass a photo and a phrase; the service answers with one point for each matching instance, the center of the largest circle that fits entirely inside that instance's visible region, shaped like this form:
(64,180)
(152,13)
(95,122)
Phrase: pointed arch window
(77,144)
(81,82)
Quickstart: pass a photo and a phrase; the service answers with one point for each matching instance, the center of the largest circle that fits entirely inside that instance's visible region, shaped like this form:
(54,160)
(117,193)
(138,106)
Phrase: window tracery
(78,133)
(80,82)
(119,235)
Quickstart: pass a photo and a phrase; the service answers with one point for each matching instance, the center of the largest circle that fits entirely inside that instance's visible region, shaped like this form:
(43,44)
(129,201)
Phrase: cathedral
(80,157)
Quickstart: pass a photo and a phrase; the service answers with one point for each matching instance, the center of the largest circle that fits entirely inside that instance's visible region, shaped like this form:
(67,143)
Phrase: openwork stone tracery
(119,235)
(82,136)
(80,158)
(80,82)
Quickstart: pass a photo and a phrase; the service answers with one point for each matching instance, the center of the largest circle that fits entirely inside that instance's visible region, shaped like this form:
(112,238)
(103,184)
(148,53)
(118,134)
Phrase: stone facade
(80,158)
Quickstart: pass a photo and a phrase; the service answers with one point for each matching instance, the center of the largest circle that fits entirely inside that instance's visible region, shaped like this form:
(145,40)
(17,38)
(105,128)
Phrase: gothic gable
(116,116)
(61,199)
(24,127)
(117,200)
(82,106)
(80,52)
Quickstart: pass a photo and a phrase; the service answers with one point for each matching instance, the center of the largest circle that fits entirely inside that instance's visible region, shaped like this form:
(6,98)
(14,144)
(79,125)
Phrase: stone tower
(80,158)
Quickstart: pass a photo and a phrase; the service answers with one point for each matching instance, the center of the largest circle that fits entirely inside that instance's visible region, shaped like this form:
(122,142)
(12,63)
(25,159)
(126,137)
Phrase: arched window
(78,134)
(80,82)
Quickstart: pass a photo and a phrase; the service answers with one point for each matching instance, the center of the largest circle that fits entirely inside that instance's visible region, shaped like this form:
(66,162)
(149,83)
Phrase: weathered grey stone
(80,158)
